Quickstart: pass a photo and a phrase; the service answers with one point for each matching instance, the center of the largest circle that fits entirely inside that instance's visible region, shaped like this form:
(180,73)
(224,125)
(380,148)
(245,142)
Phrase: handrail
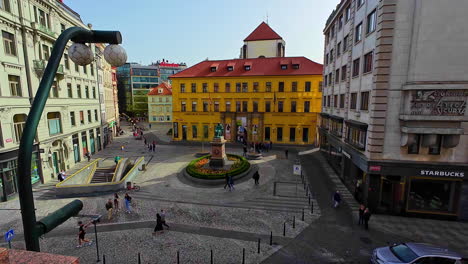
(91,174)
(75,173)
(115,170)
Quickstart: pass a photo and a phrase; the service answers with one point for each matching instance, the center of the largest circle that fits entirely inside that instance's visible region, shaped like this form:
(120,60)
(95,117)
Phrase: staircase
(102,175)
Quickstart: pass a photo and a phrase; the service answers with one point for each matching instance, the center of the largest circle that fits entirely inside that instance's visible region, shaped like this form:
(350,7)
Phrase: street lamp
(95,221)
(32,229)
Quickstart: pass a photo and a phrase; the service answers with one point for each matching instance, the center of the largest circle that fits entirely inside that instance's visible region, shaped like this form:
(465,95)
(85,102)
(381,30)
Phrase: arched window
(19,122)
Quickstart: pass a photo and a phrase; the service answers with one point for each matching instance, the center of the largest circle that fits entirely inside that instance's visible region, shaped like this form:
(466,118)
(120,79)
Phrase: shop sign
(439,102)
(175,129)
(458,174)
(8,140)
(375,168)
(346,154)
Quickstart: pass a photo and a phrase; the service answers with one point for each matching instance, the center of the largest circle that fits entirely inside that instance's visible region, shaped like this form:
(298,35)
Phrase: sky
(191,31)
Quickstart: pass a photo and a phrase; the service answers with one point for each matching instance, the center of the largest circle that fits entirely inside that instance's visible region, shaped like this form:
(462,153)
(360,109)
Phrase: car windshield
(403,252)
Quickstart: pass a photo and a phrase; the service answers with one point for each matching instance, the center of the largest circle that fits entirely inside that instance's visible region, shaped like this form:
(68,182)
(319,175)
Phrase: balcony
(46,30)
(39,67)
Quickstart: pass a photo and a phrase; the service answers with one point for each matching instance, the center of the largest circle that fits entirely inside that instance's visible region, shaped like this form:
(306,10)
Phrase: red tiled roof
(259,67)
(167,89)
(263,32)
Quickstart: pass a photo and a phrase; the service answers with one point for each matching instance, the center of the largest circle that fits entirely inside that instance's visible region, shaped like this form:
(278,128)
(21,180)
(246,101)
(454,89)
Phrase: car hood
(385,254)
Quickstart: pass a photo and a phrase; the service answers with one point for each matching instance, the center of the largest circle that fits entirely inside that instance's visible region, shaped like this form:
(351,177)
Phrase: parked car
(415,253)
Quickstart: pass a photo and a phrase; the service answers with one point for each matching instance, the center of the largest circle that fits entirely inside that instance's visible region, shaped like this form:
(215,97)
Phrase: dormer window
(230,68)
(213,69)
(284,67)
(160,90)
(295,66)
(247,68)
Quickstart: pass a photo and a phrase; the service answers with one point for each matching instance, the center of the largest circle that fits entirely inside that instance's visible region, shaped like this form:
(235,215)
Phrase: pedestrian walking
(150,126)
(154,146)
(336,199)
(88,155)
(256,177)
(366,216)
(362,208)
(286,153)
(159,226)
(231,183)
(163,218)
(60,176)
(226,177)
(122,148)
(109,207)
(128,201)
(82,233)
(116,160)
(116,202)
(145,142)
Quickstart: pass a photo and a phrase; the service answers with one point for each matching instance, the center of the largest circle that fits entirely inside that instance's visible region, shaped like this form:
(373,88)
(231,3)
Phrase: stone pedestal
(218,152)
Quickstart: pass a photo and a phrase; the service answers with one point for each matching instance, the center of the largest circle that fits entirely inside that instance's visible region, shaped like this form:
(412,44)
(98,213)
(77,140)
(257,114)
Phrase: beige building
(263,42)
(160,104)
(71,123)
(394,123)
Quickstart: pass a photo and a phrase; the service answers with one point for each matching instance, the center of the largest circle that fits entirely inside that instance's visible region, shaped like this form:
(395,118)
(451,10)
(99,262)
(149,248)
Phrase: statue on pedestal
(219,131)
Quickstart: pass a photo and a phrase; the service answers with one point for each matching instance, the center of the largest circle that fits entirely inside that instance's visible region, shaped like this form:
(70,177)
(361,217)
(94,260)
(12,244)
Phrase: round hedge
(237,168)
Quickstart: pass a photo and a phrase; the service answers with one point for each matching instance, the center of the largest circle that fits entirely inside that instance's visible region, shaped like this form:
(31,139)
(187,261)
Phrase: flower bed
(196,167)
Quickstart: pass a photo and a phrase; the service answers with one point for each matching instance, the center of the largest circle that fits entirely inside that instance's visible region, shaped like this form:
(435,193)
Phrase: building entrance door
(184,132)
(390,195)
(55,162)
(305,135)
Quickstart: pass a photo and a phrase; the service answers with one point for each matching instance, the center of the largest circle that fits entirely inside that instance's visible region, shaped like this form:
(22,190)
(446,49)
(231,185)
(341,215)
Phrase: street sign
(297,169)
(9,235)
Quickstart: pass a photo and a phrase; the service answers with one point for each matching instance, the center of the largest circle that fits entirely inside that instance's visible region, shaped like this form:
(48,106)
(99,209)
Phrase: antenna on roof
(267,18)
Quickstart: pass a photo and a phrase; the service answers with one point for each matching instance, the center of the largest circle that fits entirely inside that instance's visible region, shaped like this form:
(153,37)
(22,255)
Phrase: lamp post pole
(76,34)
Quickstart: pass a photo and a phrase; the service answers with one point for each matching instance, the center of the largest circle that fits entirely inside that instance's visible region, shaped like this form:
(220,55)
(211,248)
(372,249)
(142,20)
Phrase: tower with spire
(263,42)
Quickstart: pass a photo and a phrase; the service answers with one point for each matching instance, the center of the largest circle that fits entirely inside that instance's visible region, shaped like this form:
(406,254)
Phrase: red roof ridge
(263,32)
(167,89)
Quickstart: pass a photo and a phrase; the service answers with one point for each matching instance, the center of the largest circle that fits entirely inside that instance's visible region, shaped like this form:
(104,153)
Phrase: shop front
(8,170)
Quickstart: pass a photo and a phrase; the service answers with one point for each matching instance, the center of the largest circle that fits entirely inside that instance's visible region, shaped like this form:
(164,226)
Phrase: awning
(356,124)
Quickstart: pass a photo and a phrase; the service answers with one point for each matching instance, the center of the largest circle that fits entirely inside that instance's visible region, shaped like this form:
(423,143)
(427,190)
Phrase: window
(228,106)
(194,131)
(365,101)
(324,101)
(343,73)
(96,115)
(328,101)
(358,33)
(359,3)
(371,21)
(353,101)
(245,87)
(342,96)
(94,92)
(338,49)
(194,106)
(66,59)
(255,87)
(77,68)
(356,64)
(9,43)
(230,68)
(5,5)
(78,90)
(245,106)
(238,87)
(330,78)
(347,13)
(337,76)
(335,101)
(238,106)
(53,119)
(90,119)
(85,69)
(205,131)
(194,87)
(279,134)
(345,43)
(247,67)
(72,119)
(87,91)
(91,67)
(267,134)
(292,134)
(281,87)
(19,122)
(183,107)
(267,106)
(280,106)
(356,137)
(69,90)
(306,106)
(284,66)
(295,66)
(205,87)
(182,87)
(216,106)
(332,52)
(293,106)
(54,93)
(82,117)
(216,87)
(340,22)
(205,106)
(62,27)
(435,148)
(45,52)
(213,69)
(413,146)
(15,85)
(332,32)
(294,87)
(368,60)
(326,59)
(320,86)
(326,80)
(268,87)
(307,86)
(255,106)
(228,87)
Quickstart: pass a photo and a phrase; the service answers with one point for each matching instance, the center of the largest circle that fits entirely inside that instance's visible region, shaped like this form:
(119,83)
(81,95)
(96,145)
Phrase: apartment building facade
(70,124)
(160,104)
(393,121)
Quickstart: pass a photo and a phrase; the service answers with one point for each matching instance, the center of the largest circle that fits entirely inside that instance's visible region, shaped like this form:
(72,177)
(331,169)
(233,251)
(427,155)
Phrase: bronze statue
(219,130)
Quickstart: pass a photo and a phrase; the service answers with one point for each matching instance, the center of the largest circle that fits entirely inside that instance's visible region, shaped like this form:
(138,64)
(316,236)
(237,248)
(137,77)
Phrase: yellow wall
(262,119)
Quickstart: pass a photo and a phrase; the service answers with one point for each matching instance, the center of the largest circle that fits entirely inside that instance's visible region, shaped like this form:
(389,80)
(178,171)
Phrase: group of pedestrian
(160,222)
(364,216)
(88,155)
(151,146)
(229,182)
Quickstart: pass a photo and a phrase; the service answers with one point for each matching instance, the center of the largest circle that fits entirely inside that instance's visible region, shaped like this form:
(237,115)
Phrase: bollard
(139,258)
(104,259)
(178,262)
(294,221)
(243,256)
(271,238)
(258,251)
(211,256)
(309,199)
(284,229)
(302,214)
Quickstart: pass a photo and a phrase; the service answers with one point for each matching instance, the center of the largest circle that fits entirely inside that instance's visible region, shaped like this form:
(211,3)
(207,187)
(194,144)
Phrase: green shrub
(240,166)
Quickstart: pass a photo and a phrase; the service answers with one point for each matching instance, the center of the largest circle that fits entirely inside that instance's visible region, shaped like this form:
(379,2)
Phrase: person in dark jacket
(336,199)
(256,177)
(227,181)
(366,216)
(362,208)
(286,152)
(159,226)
